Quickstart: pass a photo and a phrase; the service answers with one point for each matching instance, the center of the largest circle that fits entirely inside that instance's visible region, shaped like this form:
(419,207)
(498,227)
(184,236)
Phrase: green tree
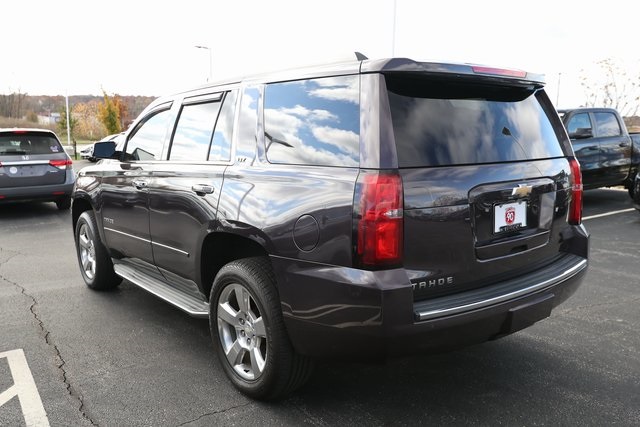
(109,114)
(62,124)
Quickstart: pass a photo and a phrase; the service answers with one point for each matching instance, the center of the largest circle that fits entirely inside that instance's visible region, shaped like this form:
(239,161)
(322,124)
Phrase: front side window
(147,141)
(607,124)
(313,122)
(194,130)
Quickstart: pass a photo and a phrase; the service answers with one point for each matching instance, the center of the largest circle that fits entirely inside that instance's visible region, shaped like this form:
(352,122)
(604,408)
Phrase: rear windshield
(441,123)
(28,143)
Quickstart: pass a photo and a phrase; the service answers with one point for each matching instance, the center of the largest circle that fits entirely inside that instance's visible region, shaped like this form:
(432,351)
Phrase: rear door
(184,191)
(484,178)
(31,158)
(615,147)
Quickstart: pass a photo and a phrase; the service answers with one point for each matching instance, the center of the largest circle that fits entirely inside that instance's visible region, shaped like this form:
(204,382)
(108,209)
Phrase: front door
(124,206)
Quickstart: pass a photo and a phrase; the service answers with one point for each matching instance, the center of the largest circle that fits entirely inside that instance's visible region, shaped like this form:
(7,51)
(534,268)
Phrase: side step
(188,303)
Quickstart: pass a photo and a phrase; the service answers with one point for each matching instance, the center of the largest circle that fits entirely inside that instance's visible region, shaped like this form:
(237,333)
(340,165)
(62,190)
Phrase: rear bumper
(339,312)
(39,192)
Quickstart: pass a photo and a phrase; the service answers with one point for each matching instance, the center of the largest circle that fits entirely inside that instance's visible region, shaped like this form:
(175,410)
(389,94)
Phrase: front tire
(95,263)
(249,333)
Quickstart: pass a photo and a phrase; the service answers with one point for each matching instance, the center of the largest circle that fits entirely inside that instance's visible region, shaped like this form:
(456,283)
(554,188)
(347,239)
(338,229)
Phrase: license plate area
(509,216)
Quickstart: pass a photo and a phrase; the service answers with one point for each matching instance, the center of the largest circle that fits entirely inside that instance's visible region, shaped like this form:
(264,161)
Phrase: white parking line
(25,388)
(607,214)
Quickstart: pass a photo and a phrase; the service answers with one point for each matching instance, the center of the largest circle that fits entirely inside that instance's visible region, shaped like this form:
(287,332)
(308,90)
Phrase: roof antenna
(360,56)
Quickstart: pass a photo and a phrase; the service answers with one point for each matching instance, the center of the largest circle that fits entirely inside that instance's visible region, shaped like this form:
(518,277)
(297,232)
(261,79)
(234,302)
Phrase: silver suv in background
(34,166)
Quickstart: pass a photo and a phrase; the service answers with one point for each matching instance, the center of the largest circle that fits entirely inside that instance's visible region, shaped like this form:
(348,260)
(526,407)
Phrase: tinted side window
(147,141)
(440,123)
(193,132)
(313,122)
(221,144)
(579,121)
(248,124)
(607,124)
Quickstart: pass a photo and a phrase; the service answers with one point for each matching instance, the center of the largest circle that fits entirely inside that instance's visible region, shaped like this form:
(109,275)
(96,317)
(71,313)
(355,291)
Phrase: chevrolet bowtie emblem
(522,190)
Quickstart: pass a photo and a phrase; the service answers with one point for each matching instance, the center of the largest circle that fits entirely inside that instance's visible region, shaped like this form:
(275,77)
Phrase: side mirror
(104,150)
(581,133)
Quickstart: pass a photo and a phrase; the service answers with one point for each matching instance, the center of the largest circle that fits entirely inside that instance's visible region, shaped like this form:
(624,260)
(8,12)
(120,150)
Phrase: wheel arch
(221,248)
(79,205)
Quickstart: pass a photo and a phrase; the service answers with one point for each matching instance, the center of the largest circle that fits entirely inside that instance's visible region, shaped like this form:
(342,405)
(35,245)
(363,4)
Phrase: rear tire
(95,263)
(249,333)
(64,204)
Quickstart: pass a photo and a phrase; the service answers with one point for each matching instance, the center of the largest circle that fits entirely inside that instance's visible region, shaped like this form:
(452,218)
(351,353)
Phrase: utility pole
(66,98)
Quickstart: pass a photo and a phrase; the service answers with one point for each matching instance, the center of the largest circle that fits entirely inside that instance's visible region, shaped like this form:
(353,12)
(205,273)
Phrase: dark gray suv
(357,210)
(34,166)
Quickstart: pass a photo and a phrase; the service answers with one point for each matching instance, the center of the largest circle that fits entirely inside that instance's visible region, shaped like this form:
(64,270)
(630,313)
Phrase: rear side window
(221,143)
(607,124)
(29,144)
(440,123)
(313,122)
(194,131)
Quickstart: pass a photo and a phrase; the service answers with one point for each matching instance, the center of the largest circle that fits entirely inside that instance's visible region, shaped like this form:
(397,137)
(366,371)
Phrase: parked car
(87,152)
(359,210)
(34,166)
(609,155)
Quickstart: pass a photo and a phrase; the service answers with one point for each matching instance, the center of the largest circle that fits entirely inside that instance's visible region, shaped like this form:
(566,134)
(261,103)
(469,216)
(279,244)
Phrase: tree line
(92,117)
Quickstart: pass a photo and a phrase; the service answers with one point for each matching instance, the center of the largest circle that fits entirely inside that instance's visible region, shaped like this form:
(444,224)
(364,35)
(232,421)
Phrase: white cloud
(344,140)
(316,115)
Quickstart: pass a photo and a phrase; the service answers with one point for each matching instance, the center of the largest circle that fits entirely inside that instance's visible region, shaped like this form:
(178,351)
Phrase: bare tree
(613,88)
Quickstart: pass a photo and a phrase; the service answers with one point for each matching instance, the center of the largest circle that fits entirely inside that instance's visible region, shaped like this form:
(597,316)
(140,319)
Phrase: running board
(187,303)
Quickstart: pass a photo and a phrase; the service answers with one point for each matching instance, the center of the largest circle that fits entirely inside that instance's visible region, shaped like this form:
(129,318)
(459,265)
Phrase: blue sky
(147,48)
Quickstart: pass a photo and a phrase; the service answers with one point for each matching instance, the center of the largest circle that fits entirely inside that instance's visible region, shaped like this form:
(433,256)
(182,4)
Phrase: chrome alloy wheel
(87,252)
(242,332)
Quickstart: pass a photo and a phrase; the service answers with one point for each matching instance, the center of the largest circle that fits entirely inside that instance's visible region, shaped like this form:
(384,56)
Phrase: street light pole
(210,61)
(66,98)
(558,93)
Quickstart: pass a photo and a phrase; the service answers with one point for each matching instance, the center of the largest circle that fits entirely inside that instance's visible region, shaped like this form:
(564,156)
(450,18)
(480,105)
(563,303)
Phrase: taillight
(61,164)
(378,215)
(575,207)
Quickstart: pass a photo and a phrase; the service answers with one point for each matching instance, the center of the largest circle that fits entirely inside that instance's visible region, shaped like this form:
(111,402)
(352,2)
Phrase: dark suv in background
(34,166)
(363,210)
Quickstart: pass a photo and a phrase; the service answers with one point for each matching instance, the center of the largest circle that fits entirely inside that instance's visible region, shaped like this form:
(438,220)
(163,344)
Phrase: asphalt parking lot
(127,358)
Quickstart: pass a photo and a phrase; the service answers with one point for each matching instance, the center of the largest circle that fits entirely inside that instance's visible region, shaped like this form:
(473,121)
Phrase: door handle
(139,184)
(202,189)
